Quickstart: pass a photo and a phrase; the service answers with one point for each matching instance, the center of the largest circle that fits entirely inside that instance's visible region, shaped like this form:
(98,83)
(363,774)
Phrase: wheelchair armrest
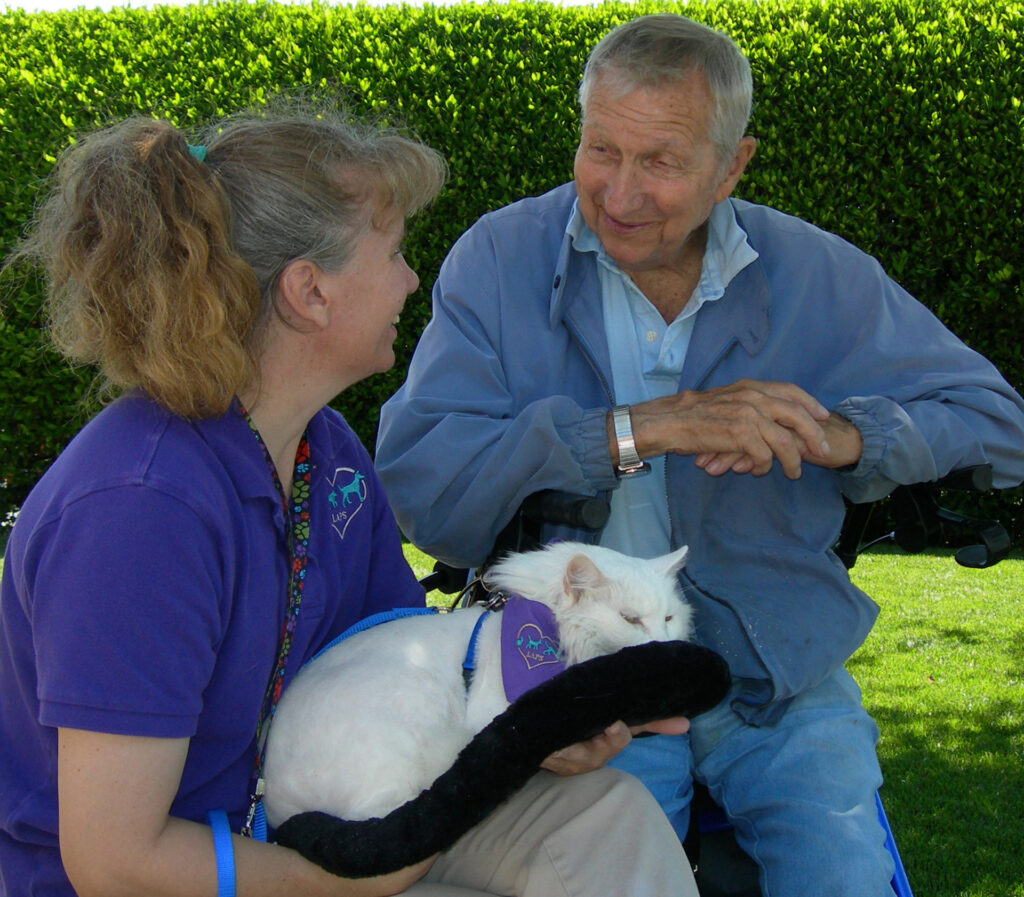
(569,508)
(977,478)
(445,579)
(549,506)
(917,517)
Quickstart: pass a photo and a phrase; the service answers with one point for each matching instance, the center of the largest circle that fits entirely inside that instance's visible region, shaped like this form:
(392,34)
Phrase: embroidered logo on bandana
(530,652)
(348,492)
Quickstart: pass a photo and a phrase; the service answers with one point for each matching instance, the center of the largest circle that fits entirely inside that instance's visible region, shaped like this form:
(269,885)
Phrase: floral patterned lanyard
(297,516)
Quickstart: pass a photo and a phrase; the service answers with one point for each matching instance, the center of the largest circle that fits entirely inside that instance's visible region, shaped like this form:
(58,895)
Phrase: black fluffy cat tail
(648,682)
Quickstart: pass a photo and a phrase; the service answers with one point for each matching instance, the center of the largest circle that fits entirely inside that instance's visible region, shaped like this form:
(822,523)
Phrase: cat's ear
(581,577)
(670,564)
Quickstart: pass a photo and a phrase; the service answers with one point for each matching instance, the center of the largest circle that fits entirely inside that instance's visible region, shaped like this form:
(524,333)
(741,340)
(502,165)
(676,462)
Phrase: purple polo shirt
(144,588)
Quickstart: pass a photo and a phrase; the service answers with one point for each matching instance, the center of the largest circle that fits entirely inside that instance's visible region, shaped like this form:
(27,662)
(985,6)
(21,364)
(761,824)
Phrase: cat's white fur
(377,718)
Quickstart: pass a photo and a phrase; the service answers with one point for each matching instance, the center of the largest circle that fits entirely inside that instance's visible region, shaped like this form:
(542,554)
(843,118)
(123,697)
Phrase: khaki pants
(595,835)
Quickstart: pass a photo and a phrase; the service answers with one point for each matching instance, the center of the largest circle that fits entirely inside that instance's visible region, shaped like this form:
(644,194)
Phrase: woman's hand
(386,885)
(597,751)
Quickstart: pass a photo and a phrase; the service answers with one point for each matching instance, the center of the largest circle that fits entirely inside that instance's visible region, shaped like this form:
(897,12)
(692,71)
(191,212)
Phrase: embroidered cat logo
(535,647)
(348,492)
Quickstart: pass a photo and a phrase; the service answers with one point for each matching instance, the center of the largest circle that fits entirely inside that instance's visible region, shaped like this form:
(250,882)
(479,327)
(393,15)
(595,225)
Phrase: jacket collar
(742,315)
(560,281)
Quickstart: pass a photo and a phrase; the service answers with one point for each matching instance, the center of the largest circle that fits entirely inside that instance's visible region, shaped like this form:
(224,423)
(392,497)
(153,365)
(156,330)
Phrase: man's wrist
(629,463)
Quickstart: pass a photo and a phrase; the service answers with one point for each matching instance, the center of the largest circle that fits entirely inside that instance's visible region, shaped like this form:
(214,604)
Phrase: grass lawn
(943,674)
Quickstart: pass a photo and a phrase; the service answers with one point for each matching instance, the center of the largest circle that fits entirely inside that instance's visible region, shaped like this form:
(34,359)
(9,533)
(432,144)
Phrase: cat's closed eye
(633,621)
(669,618)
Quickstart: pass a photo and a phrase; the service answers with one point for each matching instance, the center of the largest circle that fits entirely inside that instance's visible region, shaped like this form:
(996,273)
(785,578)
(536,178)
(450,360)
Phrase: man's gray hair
(654,51)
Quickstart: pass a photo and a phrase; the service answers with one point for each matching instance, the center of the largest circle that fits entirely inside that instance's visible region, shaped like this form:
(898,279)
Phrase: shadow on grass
(958,634)
(1015,649)
(953,785)
(944,680)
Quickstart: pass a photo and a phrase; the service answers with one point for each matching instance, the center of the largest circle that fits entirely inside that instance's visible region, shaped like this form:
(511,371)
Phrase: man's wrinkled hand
(744,427)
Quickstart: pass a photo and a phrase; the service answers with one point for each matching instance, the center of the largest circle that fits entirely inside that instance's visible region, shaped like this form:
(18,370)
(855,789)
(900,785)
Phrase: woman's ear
(301,300)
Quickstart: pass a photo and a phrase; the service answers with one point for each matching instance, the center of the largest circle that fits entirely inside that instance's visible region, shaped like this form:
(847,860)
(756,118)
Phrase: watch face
(639,470)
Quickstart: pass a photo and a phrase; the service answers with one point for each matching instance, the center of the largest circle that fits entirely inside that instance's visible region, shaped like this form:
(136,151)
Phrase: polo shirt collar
(233,441)
(230,437)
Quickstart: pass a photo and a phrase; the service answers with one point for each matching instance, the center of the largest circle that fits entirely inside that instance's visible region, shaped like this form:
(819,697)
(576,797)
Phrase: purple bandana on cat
(530,653)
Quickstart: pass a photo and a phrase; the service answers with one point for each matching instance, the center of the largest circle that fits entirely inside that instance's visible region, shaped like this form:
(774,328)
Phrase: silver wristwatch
(630,463)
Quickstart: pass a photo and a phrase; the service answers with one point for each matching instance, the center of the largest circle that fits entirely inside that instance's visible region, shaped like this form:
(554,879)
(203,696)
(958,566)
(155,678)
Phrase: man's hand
(845,444)
(597,751)
(843,440)
(745,427)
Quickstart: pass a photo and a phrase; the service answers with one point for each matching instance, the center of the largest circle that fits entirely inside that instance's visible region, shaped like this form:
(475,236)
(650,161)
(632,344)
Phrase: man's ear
(733,171)
(301,301)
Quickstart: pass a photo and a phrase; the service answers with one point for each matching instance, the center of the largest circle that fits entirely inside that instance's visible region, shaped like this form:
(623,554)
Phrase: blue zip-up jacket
(510,384)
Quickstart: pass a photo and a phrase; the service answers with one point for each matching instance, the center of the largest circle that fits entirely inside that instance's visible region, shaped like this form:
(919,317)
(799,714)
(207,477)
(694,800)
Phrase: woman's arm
(116,836)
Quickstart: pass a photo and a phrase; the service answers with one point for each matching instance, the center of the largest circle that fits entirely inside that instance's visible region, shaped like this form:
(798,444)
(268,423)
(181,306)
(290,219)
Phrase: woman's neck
(280,423)
(292,385)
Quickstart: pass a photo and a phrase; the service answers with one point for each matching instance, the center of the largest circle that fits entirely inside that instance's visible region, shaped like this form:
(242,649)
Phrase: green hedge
(897,125)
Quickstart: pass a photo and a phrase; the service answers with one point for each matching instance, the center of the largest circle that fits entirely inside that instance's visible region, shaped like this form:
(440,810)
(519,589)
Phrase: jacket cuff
(865,481)
(593,452)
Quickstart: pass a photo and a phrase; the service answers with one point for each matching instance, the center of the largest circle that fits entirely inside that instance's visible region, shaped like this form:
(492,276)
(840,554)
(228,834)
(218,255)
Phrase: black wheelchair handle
(567,508)
(445,579)
(968,479)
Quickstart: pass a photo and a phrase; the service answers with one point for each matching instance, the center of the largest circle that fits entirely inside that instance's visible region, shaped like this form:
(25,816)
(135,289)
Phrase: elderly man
(726,374)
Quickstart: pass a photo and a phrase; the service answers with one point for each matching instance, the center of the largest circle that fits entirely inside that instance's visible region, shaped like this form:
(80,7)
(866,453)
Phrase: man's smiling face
(647,174)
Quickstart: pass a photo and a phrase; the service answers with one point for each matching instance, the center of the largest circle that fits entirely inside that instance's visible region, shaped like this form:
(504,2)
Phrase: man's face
(647,174)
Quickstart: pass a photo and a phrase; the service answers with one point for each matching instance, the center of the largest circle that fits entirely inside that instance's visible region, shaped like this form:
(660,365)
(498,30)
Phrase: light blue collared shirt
(647,356)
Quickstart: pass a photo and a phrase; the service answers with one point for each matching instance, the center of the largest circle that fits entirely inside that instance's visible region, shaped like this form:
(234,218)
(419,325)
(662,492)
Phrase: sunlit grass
(943,674)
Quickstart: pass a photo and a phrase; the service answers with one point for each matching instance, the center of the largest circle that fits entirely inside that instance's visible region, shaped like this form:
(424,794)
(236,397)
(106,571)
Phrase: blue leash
(218,819)
(376,619)
(469,662)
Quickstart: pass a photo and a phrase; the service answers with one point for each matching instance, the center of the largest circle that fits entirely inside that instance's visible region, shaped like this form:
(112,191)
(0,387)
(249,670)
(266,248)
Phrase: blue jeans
(801,793)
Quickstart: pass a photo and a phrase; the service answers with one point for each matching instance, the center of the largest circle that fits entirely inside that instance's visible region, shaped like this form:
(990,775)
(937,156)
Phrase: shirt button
(651,336)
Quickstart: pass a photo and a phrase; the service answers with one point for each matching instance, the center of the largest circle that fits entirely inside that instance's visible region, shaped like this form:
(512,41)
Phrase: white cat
(374,720)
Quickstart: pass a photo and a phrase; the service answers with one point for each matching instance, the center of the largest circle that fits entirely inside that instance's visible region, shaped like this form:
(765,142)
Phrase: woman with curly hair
(152,587)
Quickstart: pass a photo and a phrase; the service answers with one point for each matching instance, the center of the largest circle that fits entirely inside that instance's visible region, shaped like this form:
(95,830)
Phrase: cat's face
(630,602)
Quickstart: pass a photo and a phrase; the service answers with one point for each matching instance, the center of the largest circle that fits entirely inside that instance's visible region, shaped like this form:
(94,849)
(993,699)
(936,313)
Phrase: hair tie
(198,151)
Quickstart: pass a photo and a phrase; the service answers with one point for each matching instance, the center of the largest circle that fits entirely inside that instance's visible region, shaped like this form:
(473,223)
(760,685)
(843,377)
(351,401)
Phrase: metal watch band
(630,463)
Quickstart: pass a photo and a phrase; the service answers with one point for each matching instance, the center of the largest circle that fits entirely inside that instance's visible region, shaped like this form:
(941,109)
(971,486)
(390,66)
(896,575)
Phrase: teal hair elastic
(198,151)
